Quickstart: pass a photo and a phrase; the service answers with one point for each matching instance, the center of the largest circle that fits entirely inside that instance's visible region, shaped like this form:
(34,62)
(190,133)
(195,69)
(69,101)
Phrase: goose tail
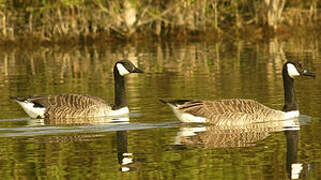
(34,110)
(17,98)
(175,103)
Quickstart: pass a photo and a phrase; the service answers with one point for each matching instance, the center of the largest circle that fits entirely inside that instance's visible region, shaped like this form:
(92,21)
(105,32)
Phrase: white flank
(292,71)
(119,112)
(185,117)
(122,70)
(291,114)
(33,112)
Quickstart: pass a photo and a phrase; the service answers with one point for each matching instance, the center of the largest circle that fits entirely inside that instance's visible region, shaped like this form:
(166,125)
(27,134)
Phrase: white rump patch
(291,114)
(33,112)
(122,70)
(119,112)
(186,117)
(292,71)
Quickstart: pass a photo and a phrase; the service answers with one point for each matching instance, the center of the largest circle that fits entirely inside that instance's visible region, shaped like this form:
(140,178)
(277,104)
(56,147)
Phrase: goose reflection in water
(125,158)
(79,121)
(295,168)
(213,136)
(87,121)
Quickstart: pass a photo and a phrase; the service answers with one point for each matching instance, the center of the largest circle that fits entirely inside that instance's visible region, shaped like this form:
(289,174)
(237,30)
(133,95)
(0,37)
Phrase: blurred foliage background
(74,21)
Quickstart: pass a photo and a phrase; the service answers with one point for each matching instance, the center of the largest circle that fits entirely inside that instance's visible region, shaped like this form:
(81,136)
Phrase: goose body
(79,105)
(241,111)
(226,111)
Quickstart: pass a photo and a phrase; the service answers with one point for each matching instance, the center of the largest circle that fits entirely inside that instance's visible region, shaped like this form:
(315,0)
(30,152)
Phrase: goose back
(69,105)
(230,111)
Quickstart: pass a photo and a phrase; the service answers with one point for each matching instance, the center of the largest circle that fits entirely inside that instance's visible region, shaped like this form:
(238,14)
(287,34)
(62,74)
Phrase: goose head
(124,67)
(294,68)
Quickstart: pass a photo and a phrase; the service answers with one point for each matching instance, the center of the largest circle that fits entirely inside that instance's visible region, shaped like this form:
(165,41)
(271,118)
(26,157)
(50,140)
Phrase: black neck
(289,93)
(120,91)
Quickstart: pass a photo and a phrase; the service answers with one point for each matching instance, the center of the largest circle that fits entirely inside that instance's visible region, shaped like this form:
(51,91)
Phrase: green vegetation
(65,21)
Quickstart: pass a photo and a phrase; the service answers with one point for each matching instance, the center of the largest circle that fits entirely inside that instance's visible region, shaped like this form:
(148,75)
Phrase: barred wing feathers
(70,105)
(230,111)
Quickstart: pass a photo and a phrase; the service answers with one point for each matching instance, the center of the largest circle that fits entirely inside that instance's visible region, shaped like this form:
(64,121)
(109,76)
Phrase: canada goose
(78,105)
(242,111)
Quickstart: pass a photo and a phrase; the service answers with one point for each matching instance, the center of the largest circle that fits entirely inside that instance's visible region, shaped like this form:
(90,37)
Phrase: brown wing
(230,111)
(208,108)
(69,105)
(73,100)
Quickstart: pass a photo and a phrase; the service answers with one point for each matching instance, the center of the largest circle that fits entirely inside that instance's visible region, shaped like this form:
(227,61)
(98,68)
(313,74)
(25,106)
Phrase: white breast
(291,114)
(119,112)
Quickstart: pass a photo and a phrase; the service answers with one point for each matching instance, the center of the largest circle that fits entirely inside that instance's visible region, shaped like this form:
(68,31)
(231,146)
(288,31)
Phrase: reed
(74,21)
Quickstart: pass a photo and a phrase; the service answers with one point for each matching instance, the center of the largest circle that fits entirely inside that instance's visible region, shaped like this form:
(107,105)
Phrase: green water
(153,144)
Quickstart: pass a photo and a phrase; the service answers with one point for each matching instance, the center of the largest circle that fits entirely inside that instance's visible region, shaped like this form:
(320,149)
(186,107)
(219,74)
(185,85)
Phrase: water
(153,144)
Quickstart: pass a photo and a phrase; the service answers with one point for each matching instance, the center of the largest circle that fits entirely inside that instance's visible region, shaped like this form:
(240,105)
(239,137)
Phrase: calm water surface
(153,144)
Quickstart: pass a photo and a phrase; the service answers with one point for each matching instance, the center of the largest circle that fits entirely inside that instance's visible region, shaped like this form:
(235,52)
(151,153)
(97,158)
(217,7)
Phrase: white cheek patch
(122,70)
(292,71)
